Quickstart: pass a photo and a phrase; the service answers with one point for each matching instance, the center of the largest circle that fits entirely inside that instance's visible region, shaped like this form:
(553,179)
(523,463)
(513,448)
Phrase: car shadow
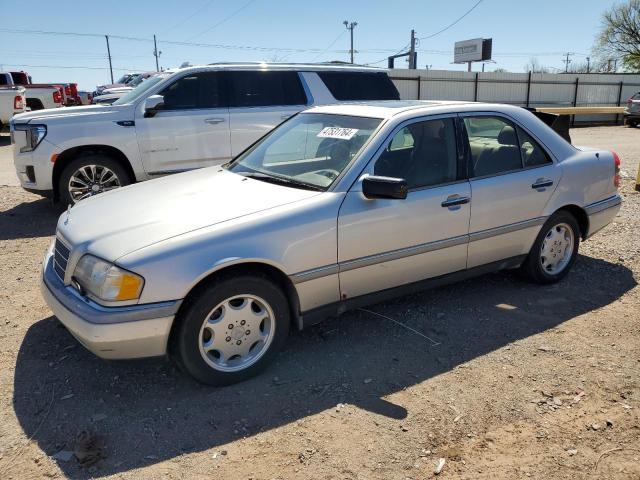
(147,412)
(29,219)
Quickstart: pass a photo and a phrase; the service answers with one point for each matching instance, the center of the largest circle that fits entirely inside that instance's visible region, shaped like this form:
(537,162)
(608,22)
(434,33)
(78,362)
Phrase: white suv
(181,120)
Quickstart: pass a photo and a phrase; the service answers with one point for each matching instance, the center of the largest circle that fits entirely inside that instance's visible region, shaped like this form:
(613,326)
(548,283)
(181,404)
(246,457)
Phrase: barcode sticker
(337,132)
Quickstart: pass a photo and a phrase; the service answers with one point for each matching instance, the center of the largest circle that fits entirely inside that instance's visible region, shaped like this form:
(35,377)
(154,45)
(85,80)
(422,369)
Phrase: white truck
(175,121)
(12,102)
(38,95)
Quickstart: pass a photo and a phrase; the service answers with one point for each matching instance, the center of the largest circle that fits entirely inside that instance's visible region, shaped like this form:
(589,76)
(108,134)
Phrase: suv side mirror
(384,187)
(152,105)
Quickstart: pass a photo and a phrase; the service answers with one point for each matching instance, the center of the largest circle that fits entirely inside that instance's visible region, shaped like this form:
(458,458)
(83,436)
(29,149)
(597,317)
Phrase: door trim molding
(335,268)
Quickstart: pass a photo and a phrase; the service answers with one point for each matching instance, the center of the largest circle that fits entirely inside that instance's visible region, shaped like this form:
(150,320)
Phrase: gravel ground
(510,380)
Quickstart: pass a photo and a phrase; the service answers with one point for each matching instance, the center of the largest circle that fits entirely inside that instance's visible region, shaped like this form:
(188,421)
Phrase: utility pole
(412,51)
(567,61)
(350,27)
(588,64)
(156,53)
(109,55)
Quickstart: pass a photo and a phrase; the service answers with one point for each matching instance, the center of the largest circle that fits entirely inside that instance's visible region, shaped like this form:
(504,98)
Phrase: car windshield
(137,92)
(309,151)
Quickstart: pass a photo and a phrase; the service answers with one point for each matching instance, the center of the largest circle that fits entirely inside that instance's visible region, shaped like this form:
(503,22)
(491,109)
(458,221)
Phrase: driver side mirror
(384,187)
(152,105)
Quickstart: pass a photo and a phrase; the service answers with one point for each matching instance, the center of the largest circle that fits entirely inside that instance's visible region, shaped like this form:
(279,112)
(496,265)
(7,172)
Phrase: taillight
(616,175)
(629,102)
(57,97)
(18,103)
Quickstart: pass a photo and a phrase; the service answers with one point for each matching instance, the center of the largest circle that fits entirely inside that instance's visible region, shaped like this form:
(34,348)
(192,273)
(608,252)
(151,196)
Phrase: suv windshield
(137,92)
(309,151)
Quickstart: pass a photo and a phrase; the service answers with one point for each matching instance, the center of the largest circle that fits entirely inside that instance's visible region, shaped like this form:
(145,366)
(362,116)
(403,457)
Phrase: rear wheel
(231,329)
(555,250)
(90,175)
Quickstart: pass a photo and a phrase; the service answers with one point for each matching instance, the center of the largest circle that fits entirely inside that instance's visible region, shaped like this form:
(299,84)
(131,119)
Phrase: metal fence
(524,89)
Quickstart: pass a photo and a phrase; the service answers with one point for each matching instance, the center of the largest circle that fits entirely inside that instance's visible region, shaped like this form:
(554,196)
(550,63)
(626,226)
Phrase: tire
(203,345)
(539,266)
(102,165)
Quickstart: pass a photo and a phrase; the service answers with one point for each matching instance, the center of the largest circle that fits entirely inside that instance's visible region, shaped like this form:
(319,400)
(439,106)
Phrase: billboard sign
(474,50)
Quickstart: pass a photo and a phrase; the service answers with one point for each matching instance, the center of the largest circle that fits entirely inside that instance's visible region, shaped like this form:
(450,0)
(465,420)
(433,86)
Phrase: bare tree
(598,65)
(534,66)
(620,35)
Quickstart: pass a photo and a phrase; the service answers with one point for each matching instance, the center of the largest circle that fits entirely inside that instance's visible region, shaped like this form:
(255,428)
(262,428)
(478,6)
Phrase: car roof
(388,108)
(307,67)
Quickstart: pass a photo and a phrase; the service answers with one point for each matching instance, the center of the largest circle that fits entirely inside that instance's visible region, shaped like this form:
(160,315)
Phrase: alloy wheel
(236,333)
(90,180)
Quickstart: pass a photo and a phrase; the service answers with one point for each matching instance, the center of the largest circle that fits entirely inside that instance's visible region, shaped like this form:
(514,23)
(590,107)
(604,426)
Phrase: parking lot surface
(503,379)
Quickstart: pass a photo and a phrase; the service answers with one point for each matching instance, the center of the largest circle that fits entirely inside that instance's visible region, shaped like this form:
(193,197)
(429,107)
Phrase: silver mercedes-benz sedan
(337,207)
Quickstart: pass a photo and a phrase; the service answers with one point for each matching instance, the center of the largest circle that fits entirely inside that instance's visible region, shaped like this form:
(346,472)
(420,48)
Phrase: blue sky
(520,30)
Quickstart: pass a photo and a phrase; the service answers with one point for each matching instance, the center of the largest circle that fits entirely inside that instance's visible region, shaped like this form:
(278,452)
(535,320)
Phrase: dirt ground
(509,380)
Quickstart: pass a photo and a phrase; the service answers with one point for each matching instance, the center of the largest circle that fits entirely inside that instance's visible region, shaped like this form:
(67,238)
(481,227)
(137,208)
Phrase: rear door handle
(455,201)
(213,121)
(542,183)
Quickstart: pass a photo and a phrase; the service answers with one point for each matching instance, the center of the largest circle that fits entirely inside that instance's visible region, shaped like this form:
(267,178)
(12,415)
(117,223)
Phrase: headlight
(35,134)
(106,281)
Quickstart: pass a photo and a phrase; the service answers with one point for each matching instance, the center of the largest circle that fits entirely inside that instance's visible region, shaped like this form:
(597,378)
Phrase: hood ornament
(66,220)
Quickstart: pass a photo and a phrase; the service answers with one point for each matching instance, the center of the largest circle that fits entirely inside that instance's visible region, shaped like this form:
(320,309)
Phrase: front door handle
(213,121)
(542,183)
(455,201)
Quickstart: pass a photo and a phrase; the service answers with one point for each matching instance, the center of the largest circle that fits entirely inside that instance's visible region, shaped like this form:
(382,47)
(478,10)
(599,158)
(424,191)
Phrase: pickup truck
(12,101)
(38,95)
(180,120)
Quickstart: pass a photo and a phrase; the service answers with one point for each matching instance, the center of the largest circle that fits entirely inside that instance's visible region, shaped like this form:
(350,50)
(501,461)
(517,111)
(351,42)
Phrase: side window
(532,153)
(360,85)
(266,88)
(199,90)
(423,153)
(493,146)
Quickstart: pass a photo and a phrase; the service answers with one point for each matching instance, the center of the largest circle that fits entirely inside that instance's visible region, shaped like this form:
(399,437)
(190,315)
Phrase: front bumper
(109,332)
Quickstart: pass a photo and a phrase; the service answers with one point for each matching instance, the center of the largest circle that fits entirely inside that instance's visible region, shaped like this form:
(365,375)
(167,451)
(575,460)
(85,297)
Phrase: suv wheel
(231,330)
(90,175)
(555,250)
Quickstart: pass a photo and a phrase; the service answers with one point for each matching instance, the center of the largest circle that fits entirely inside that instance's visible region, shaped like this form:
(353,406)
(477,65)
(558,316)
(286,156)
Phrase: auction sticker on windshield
(337,132)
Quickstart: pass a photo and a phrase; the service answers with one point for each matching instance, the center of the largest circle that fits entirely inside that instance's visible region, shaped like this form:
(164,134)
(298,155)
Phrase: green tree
(620,34)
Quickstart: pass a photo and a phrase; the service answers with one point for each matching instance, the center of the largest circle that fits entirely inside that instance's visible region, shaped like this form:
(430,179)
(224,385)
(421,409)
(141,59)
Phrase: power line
(181,22)
(71,67)
(329,46)
(228,17)
(452,24)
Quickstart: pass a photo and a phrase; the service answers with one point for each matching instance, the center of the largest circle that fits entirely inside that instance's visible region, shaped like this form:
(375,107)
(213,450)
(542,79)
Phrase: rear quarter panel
(587,178)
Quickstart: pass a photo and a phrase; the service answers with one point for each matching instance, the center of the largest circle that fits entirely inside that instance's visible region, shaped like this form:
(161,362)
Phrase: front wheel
(90,175)
(231,329)
(555,250)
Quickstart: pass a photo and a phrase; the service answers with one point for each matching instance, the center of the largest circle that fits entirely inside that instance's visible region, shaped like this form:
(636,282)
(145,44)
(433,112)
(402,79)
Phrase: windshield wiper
(281,181)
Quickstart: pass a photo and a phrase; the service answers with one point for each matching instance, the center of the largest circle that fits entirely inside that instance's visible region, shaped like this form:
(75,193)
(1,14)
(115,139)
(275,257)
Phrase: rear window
(360,85)
(265,88)
(20,78)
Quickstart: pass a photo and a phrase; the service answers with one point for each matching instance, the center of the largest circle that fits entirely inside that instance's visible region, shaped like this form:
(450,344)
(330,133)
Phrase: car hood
(75,113)
(106,91)
(119,222)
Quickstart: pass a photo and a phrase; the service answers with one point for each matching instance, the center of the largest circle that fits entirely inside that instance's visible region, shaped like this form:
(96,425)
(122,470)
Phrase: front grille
(60,258)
